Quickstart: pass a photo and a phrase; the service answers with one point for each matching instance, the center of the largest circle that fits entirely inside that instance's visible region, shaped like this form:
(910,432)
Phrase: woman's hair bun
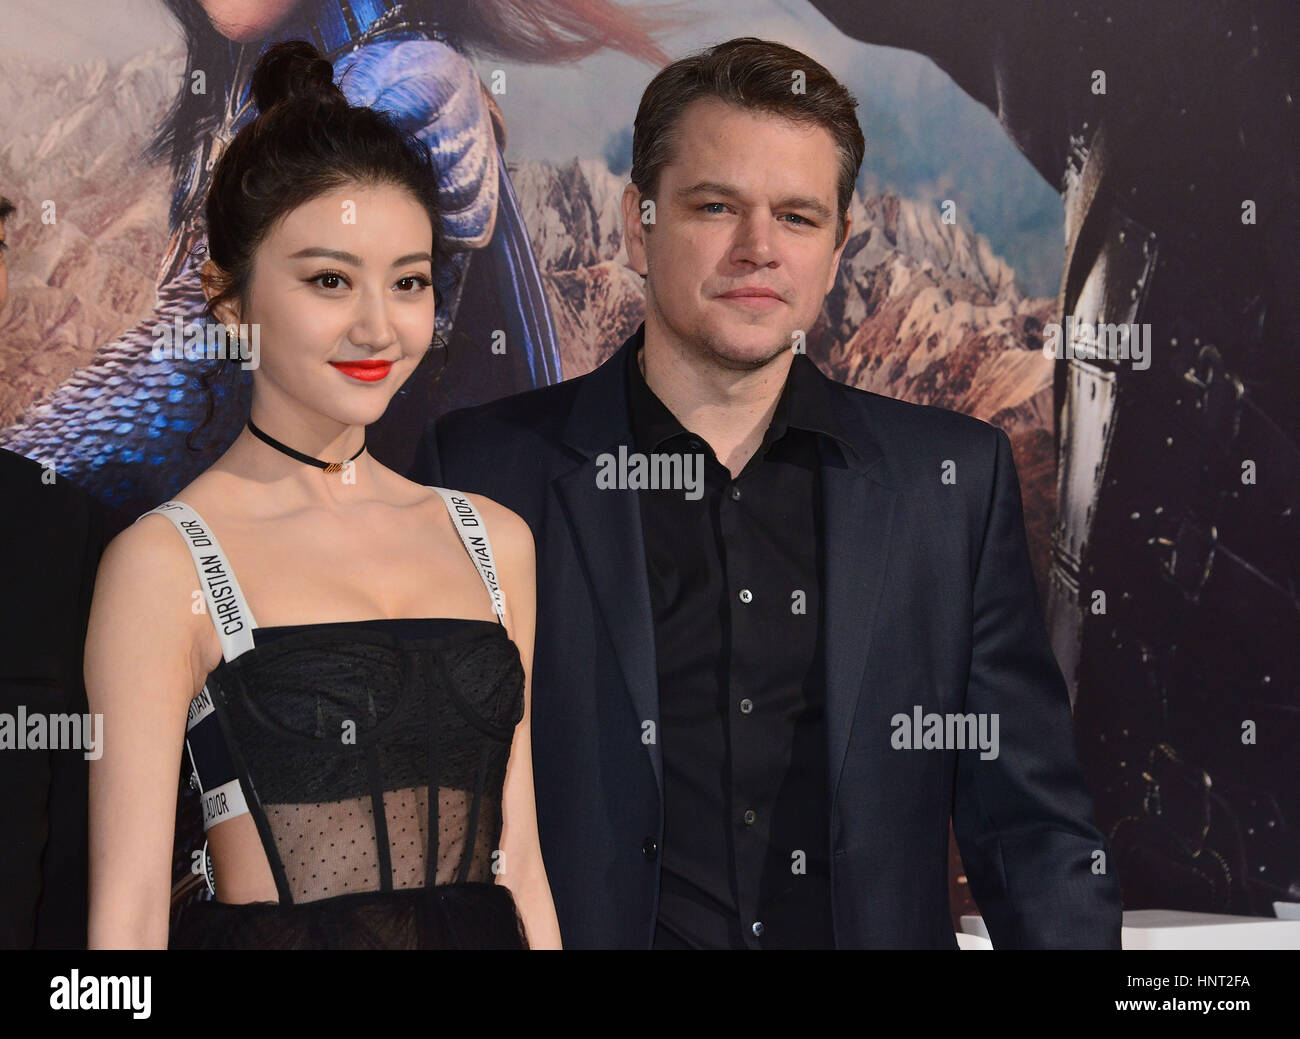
(294,69)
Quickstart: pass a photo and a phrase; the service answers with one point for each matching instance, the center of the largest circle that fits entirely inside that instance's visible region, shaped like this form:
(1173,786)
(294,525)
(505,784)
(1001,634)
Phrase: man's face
(747,204)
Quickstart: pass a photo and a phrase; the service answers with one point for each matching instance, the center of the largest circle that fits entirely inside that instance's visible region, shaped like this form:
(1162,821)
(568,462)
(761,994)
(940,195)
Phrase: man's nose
(754,239)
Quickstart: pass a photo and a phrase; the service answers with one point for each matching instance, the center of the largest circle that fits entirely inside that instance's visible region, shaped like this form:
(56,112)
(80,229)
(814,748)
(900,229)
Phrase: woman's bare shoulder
(148,570)
(144,600)
(149,551)
(506,528)
(153,544)
(510,536)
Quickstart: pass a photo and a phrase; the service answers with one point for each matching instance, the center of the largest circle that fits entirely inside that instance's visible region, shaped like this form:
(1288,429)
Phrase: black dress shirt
(735,587)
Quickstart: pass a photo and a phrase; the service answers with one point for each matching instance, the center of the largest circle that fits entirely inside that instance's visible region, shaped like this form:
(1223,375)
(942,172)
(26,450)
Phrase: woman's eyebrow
(353,258)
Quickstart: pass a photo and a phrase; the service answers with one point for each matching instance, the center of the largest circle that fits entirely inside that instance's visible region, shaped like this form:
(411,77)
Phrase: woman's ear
(215,281)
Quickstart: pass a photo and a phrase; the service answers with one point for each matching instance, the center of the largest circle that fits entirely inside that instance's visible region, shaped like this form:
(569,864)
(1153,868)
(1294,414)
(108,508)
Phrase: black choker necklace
(329,467)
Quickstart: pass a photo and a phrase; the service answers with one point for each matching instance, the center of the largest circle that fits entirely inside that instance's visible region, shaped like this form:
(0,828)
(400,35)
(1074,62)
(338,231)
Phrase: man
(762,690)
(53,537)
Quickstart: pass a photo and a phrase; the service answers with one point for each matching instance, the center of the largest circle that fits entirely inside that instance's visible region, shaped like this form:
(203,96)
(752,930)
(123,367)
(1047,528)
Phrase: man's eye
(800,218)
(720,205)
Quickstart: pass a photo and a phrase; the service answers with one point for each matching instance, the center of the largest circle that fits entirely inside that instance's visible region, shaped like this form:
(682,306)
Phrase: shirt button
(746,705)
(746,595)
(750,816)
(758,928)
(735,494)
(649,848)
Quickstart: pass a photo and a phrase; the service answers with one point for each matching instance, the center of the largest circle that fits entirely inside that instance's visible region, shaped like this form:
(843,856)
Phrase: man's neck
(729,409)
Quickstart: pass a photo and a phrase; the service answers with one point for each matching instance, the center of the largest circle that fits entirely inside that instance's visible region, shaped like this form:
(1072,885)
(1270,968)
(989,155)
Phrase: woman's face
(342,293)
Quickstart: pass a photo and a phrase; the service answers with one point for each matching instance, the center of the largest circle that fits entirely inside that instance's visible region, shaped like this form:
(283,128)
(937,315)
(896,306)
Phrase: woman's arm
(524,872)
(140,670)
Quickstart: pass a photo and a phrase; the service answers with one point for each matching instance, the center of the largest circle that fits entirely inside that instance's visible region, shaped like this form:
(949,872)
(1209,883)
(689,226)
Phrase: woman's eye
(331,275)
(420,283)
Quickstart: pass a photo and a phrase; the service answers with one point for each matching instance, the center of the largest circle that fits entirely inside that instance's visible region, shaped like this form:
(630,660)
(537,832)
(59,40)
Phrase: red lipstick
(367,371)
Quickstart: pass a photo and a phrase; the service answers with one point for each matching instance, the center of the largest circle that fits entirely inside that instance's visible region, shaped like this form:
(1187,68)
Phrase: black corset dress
(332,736)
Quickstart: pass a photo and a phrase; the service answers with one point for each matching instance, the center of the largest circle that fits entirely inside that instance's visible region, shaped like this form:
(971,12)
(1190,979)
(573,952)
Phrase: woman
(388,662)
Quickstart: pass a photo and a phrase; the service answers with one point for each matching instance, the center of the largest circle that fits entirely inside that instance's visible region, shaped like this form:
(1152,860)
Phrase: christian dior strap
(473,534)
(224,599)
(220,794)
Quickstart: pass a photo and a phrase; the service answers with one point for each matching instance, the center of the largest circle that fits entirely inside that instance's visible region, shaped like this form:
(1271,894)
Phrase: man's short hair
(758,75)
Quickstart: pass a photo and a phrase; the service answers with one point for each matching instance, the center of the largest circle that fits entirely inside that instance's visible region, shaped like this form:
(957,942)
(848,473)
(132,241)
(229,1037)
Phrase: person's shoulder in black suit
(53,535)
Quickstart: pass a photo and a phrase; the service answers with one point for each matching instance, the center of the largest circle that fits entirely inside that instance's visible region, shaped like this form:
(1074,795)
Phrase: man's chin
(747,348)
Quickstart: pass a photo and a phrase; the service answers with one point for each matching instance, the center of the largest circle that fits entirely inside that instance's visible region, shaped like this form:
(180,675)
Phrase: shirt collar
(805,403)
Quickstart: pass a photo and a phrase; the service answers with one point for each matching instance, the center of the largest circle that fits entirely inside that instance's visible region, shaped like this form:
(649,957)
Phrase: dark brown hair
(6,208)
(757,75)
(306,140)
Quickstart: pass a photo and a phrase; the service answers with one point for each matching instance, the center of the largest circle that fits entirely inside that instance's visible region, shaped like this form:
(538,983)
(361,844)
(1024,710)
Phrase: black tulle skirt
(451,916)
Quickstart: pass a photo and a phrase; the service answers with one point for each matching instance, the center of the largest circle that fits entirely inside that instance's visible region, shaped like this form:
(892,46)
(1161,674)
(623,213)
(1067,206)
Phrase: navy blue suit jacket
(929,602)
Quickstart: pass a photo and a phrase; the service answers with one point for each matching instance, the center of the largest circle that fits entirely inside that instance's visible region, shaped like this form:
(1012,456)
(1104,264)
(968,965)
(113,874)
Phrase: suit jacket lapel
(858,514)
(607,530)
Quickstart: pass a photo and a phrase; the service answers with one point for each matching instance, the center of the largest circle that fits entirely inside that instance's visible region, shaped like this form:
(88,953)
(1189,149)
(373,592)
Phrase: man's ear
(214,281)
(634,228)
(839,251)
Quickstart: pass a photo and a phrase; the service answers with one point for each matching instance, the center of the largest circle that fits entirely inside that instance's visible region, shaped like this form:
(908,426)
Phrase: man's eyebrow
(353,258)
(813,205)
(710,187)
